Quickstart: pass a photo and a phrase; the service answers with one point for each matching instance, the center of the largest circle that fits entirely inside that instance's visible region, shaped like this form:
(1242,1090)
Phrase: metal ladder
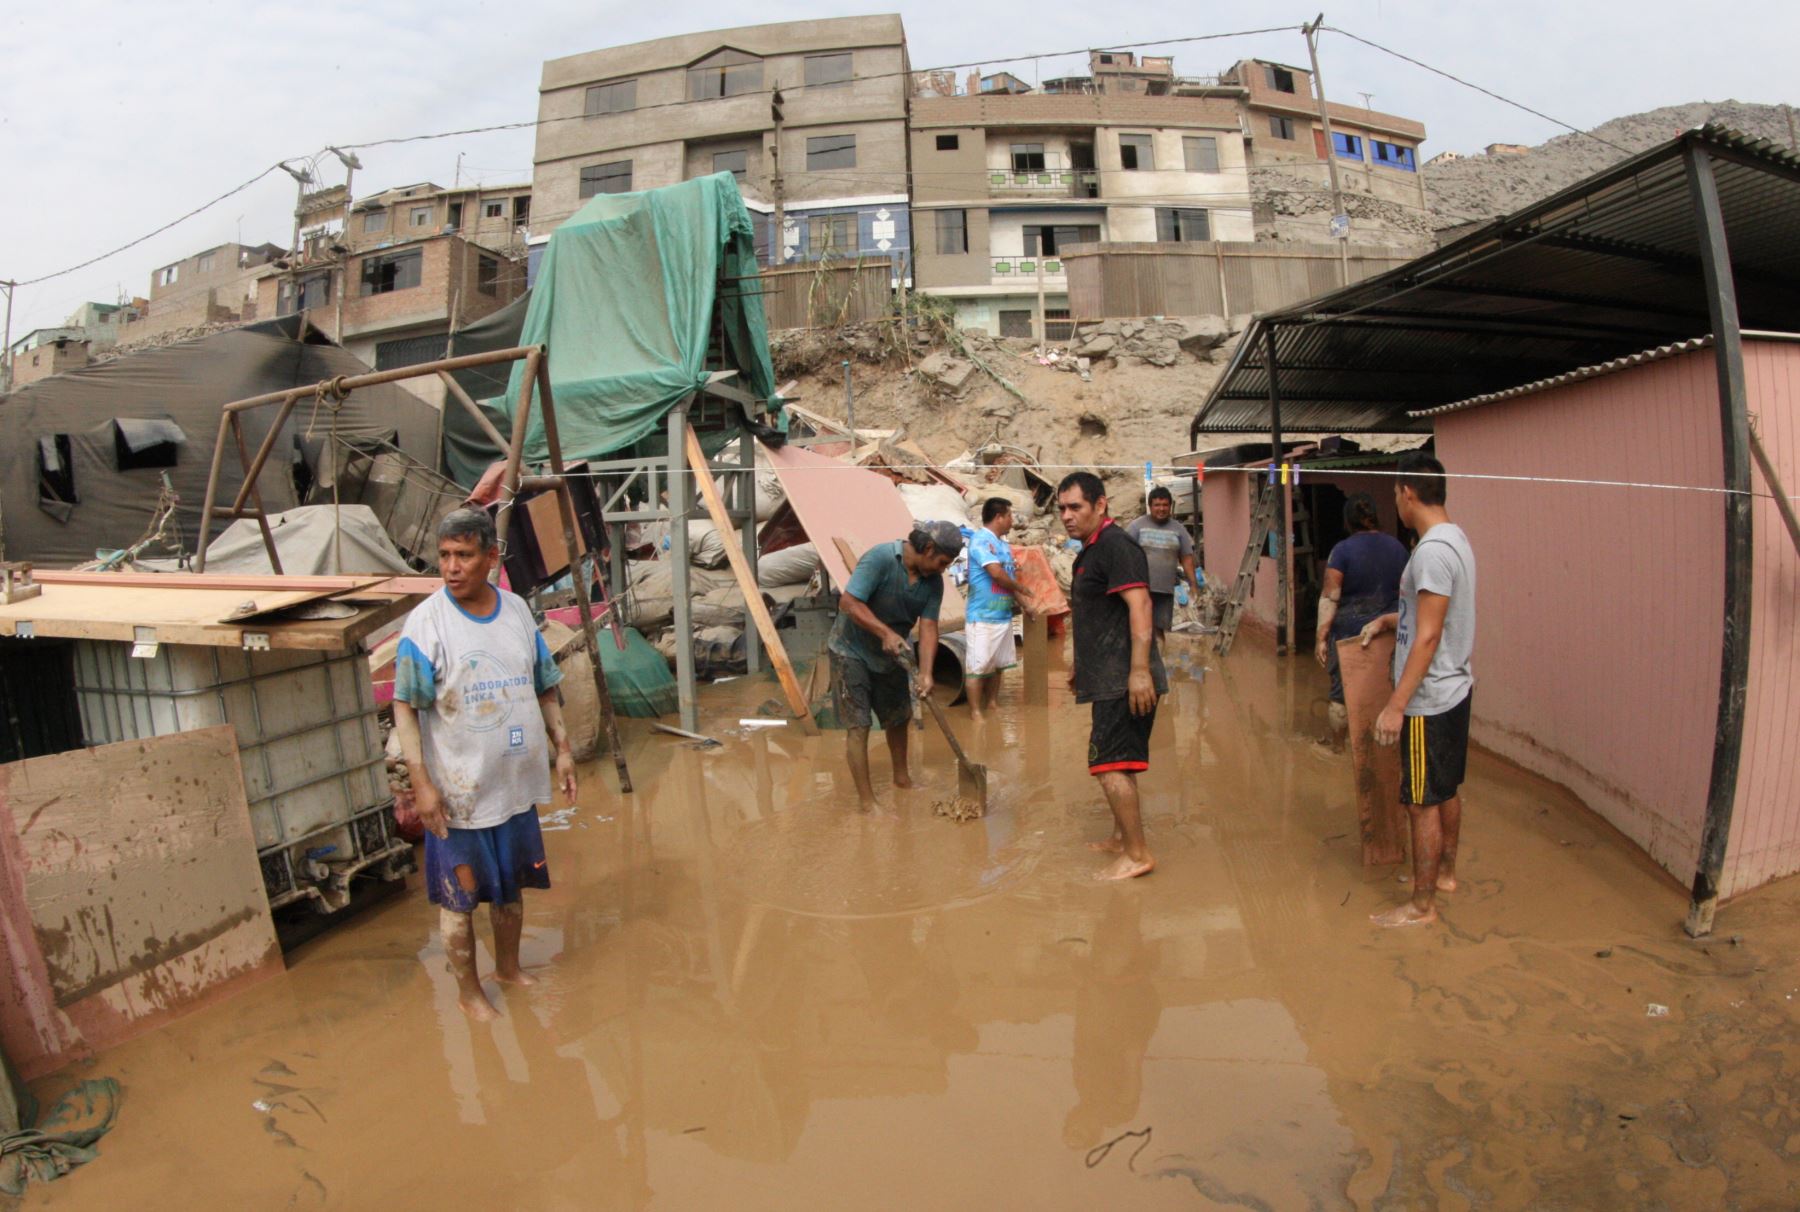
(1262,521)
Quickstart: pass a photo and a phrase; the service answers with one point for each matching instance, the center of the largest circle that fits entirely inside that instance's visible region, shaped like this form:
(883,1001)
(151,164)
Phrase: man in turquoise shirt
(988,620)
(894,586)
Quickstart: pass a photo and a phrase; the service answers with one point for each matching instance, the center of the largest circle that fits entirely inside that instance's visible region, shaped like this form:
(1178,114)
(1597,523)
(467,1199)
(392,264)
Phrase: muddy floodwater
(752,998)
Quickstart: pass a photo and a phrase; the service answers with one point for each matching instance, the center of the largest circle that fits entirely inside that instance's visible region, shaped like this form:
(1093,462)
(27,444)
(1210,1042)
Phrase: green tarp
(624,299)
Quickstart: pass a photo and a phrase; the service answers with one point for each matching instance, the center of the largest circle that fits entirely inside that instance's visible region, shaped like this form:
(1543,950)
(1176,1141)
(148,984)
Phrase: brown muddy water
(752,998)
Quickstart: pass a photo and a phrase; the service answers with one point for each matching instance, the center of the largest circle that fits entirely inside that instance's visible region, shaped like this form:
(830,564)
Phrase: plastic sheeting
(625,300)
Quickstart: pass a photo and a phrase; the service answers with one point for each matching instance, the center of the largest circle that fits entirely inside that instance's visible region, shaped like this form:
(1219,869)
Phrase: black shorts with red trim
(1119,740)
(1434,750)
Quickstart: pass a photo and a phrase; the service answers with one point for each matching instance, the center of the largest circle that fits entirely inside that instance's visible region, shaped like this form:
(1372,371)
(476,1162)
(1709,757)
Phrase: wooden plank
(1368,684)
(209,580)
(740,567)
(140,876)
(182,616)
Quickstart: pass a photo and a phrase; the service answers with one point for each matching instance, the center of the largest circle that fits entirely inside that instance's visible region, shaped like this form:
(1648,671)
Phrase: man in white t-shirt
(1434,683)
(476,709)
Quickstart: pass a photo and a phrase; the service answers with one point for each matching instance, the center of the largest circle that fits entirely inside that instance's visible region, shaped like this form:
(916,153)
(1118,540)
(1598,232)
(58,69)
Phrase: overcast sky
(117,118)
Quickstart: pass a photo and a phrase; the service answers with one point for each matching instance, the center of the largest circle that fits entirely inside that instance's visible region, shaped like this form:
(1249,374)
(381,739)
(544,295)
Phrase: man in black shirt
(1117,666)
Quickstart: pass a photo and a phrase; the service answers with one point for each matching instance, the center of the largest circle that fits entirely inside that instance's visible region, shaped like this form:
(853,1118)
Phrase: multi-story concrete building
(216,286)
(496,217)
(411,265)
(809,116)
(1003,182)
(1376,153)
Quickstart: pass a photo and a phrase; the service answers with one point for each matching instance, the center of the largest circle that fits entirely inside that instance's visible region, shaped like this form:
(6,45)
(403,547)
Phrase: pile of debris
(1157,341)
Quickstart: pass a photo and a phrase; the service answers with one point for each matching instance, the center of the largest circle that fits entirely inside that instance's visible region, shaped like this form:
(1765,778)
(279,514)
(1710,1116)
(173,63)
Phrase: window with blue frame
(1348,146)
(1394,156)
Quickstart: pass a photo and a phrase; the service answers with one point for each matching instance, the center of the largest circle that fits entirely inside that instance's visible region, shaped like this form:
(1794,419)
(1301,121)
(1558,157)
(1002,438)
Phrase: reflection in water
(1116,1011)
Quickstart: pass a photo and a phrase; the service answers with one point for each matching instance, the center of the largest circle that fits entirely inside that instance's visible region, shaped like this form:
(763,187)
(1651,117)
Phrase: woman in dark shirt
(1362,583)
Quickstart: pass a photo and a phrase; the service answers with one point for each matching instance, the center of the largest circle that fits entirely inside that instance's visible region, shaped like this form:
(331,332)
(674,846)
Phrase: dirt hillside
(1482,186)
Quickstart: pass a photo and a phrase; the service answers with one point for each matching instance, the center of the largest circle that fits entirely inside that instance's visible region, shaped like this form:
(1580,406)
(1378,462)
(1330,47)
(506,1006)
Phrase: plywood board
(135,865)
(1368,684)
(180,615)
(834,500)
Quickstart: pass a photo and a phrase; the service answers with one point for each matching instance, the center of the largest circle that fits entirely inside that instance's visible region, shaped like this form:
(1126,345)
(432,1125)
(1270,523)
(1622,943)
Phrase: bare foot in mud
(903,782)
(1112,845)
(1126,868)
(521,978)
(478,1008)
(1445,883)
(1405,915)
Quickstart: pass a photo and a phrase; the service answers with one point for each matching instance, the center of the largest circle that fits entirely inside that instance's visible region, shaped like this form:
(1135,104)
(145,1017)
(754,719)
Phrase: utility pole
(1337,195)
(351,164)
(9,287)
(778,187)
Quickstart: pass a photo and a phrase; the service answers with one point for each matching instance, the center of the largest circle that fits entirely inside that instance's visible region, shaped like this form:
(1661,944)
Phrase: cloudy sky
(117,118)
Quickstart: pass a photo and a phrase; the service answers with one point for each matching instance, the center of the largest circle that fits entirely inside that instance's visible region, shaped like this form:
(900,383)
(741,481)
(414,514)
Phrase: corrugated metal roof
(1573,376)
(1601,271)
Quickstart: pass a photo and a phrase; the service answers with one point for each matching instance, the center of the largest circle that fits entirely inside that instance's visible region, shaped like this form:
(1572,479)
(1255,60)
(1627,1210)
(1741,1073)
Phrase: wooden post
(578,575)
(1037,661)
(515,451)
(1284,525)
(740,566)
(262,515)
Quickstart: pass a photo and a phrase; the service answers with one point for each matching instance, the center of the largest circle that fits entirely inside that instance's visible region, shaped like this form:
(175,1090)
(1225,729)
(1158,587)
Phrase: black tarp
(67,491)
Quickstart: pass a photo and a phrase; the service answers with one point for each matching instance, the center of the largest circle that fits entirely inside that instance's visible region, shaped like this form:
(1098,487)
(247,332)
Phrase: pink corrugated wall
(1225,510)
(1765,825)
(1599,609)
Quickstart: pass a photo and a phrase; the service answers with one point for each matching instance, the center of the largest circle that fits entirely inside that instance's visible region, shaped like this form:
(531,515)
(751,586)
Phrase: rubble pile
(1157,341)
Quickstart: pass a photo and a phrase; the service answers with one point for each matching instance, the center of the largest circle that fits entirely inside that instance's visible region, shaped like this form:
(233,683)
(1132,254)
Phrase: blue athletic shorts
(505,859)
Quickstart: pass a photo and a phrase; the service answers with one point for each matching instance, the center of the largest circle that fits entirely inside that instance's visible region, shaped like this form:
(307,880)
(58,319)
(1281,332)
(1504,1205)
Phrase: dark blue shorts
(505,859)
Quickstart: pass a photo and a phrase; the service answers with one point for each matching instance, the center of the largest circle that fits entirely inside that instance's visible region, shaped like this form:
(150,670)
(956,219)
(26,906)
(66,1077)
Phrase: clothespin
(1271,475)
(1284,473)
(1296,475)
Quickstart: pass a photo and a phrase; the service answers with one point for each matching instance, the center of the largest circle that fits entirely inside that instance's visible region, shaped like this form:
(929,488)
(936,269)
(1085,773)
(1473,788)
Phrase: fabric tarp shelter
(307,538)
(82,434)
(625,299)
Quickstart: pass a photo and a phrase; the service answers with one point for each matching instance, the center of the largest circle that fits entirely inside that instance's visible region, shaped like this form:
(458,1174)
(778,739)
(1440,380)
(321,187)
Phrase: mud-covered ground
(752,998)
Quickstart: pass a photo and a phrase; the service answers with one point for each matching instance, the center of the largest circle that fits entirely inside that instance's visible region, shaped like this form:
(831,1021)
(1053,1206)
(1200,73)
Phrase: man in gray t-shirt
(1170,554)
(1428,713)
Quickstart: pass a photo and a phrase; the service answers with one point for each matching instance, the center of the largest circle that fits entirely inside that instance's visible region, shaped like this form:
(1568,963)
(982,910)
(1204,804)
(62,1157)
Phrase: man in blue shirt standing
(894,586)
(988,620)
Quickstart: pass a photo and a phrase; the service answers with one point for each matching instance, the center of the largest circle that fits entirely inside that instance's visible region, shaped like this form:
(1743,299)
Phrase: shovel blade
(972,783)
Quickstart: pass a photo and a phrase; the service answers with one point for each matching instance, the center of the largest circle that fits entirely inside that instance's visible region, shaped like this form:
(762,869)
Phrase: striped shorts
(1434,749)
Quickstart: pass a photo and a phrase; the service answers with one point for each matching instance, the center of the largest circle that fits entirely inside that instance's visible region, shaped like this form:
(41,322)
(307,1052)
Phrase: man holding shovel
(894,586)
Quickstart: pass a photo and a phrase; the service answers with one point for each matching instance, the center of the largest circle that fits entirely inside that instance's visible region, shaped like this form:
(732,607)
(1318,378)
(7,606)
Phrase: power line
(1438,71)
(205,206)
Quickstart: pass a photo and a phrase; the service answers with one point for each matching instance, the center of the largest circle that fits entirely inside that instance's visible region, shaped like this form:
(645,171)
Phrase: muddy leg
(1450,814)
(1427,846)
(509,925)
(1121,790)
(972,690)
(856,752)
(458,930)
(897,746)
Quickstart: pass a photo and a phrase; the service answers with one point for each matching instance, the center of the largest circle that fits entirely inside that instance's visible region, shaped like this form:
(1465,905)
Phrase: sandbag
(789,566)
(706,546)
(935,503)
